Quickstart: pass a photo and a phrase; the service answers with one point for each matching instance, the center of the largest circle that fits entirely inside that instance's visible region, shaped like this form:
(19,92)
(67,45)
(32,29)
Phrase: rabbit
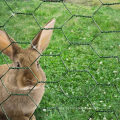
(29,81)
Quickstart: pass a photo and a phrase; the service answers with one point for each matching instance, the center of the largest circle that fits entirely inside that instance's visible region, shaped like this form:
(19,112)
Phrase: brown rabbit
(16,82)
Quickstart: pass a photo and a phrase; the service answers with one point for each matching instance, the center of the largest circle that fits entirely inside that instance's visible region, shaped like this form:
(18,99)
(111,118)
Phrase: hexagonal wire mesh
(85,89)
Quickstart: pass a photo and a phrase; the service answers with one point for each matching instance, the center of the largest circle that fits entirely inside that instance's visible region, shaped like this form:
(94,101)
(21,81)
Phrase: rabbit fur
(14,82)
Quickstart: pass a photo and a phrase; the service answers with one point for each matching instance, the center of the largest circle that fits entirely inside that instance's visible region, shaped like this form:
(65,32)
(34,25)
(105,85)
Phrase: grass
(87,86)
(92,2)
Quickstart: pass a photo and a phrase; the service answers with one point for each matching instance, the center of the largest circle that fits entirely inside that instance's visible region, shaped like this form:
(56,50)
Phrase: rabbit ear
(5,45)
(42,39)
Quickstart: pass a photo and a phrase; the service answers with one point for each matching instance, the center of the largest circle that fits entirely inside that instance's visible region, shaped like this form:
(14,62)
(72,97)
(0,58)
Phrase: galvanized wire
(60,55)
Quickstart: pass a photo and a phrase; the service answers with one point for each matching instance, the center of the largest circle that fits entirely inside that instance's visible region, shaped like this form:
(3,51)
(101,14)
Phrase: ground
(82,60)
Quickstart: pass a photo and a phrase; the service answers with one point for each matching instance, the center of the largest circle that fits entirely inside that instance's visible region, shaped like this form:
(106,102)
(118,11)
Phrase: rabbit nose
(28,75)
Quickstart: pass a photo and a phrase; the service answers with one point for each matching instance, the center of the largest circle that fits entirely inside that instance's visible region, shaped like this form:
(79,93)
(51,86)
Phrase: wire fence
(114,86)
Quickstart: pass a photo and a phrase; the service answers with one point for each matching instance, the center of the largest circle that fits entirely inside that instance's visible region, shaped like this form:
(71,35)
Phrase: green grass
(78,69)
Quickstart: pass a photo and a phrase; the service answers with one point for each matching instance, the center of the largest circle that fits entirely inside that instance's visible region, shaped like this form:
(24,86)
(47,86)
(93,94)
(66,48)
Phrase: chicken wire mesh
(77,81)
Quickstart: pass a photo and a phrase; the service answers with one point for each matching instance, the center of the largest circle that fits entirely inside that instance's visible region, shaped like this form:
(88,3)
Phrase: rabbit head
(29,73)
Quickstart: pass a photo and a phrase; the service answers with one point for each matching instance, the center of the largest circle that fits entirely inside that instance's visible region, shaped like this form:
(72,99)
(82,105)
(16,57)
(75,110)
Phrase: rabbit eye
(18,64)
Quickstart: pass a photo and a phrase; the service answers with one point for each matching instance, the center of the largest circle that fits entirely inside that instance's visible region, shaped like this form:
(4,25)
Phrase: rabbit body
(22,83)
(18,105)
